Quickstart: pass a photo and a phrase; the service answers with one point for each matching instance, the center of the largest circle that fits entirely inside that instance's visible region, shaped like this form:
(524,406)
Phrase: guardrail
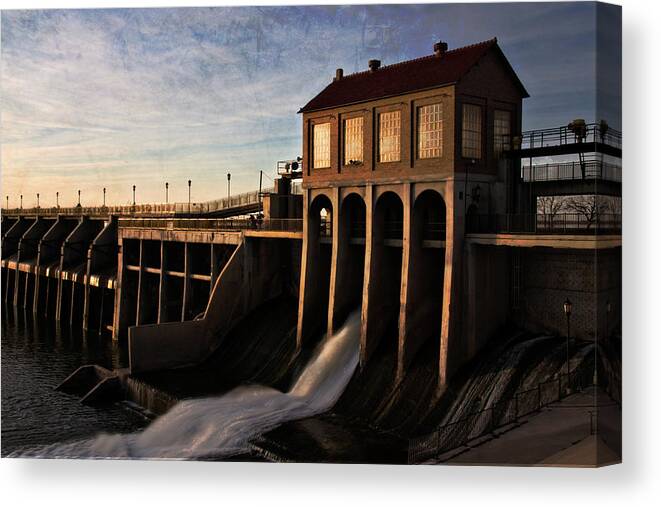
(593,133)
(561,223)
(589,170)
(458,433)
(215,224)
(178,208)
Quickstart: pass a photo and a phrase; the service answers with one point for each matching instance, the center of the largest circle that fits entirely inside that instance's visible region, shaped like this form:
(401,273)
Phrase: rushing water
(223,426)
(36,357)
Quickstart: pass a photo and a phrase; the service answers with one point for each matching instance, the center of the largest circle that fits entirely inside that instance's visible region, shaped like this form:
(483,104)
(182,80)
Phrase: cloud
(95,98)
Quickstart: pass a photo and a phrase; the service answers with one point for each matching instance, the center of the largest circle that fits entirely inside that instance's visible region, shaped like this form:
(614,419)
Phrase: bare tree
(548,206)
(588,207)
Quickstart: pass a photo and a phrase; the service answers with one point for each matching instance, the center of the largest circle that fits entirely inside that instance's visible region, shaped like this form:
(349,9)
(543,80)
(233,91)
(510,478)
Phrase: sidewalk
(557,436)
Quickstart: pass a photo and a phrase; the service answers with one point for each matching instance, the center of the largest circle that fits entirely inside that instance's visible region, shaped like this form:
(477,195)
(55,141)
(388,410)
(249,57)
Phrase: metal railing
(178,208)
(457,433)
(589,170)
(215,224)
(563,135)
(560,223)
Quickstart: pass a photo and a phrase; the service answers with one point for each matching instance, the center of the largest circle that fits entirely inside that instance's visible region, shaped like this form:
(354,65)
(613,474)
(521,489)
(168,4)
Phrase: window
(321,145)
(430,131)
(353,140)
(471,134)
(390,128)
(502,131)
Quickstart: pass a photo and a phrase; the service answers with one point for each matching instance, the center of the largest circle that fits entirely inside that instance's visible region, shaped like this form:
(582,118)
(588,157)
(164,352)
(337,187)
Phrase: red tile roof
(405,77)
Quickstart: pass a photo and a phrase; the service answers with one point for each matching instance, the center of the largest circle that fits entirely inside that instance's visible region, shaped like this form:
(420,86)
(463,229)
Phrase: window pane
(321,145)
(353,140)
(430,131)
(389,136)
(502,131)
(471,138)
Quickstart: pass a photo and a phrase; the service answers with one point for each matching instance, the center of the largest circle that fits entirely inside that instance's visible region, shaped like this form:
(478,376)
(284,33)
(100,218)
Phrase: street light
(609,309)
(229,178)
(79,198)
(37,200)
(189,183)
(104,197)
(567,306)
(57,199)
(166,192)
(7,202)
(21,201)
(133,195)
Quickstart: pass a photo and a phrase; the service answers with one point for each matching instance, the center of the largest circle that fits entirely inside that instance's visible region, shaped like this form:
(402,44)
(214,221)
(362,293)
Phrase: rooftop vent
(440,48)
(339,74)
(374,65)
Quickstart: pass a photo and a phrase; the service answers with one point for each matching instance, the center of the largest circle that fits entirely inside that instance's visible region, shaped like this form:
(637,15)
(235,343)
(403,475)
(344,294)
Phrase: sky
(121,97)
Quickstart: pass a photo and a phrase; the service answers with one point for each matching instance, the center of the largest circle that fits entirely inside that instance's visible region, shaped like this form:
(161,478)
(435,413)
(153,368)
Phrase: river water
(44,423)
(35,358)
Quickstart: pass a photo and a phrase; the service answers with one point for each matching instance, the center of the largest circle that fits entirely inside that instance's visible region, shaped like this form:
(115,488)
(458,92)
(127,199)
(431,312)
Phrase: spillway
(221,427)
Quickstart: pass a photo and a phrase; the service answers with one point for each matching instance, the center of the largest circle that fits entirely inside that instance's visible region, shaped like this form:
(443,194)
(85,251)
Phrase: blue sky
(94,98)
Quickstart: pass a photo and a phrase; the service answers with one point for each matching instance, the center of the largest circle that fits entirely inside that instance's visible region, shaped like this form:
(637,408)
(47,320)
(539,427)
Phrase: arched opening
(426,271)
(351,258)
(319,254)
(385,272)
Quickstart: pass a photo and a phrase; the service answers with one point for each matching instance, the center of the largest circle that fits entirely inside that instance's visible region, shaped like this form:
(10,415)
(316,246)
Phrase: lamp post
(37,200)
(609,308)
(229,179)
(567,306)
(104,197)
(189,184)
(79,198)
(57,199)
(7,202)
(166,192)
(133,195)
(21,201)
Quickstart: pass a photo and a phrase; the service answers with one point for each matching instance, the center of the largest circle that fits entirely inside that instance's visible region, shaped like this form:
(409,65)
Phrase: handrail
(216,224)
(588,170)
(540,223)
(458,432)
(554,136)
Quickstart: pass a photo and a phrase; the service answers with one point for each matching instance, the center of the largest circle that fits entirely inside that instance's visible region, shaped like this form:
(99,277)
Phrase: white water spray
(223,426)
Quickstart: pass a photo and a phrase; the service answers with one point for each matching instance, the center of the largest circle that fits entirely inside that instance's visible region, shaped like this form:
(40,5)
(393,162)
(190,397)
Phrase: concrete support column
(367,348)
(336,252)
(450,325)
(141,286)
(162,283)
(402,358)
(187,283)
(119,322)
(304,270)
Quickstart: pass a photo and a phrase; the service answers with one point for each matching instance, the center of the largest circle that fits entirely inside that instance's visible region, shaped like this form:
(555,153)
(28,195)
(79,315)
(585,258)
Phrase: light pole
(567,306)
(189,183)
(133,195)
(229,179)
(37,200)
(104,197)
(609,308)
(166,192)
(7,202)
(21,201)
(57,199)
(79,198)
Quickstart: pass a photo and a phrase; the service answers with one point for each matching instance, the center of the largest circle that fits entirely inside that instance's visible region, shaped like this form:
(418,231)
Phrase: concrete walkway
(557,436)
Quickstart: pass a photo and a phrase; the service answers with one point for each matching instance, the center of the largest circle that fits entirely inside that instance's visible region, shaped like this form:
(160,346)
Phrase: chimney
(374,65)
(440,48)
(339,74)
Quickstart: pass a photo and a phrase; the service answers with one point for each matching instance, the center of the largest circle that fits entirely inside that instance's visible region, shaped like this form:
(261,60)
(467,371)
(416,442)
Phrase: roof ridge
(420,58)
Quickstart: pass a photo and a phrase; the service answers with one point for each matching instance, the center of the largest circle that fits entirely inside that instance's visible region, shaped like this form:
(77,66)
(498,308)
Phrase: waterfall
(223,426)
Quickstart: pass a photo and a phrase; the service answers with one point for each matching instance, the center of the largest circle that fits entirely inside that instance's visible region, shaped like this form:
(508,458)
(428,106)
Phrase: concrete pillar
(366,348)
(407,201)
(141,288)
(450,314)
(119,321)
(187,288)
(304,270)
(162,283)
(336,252)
